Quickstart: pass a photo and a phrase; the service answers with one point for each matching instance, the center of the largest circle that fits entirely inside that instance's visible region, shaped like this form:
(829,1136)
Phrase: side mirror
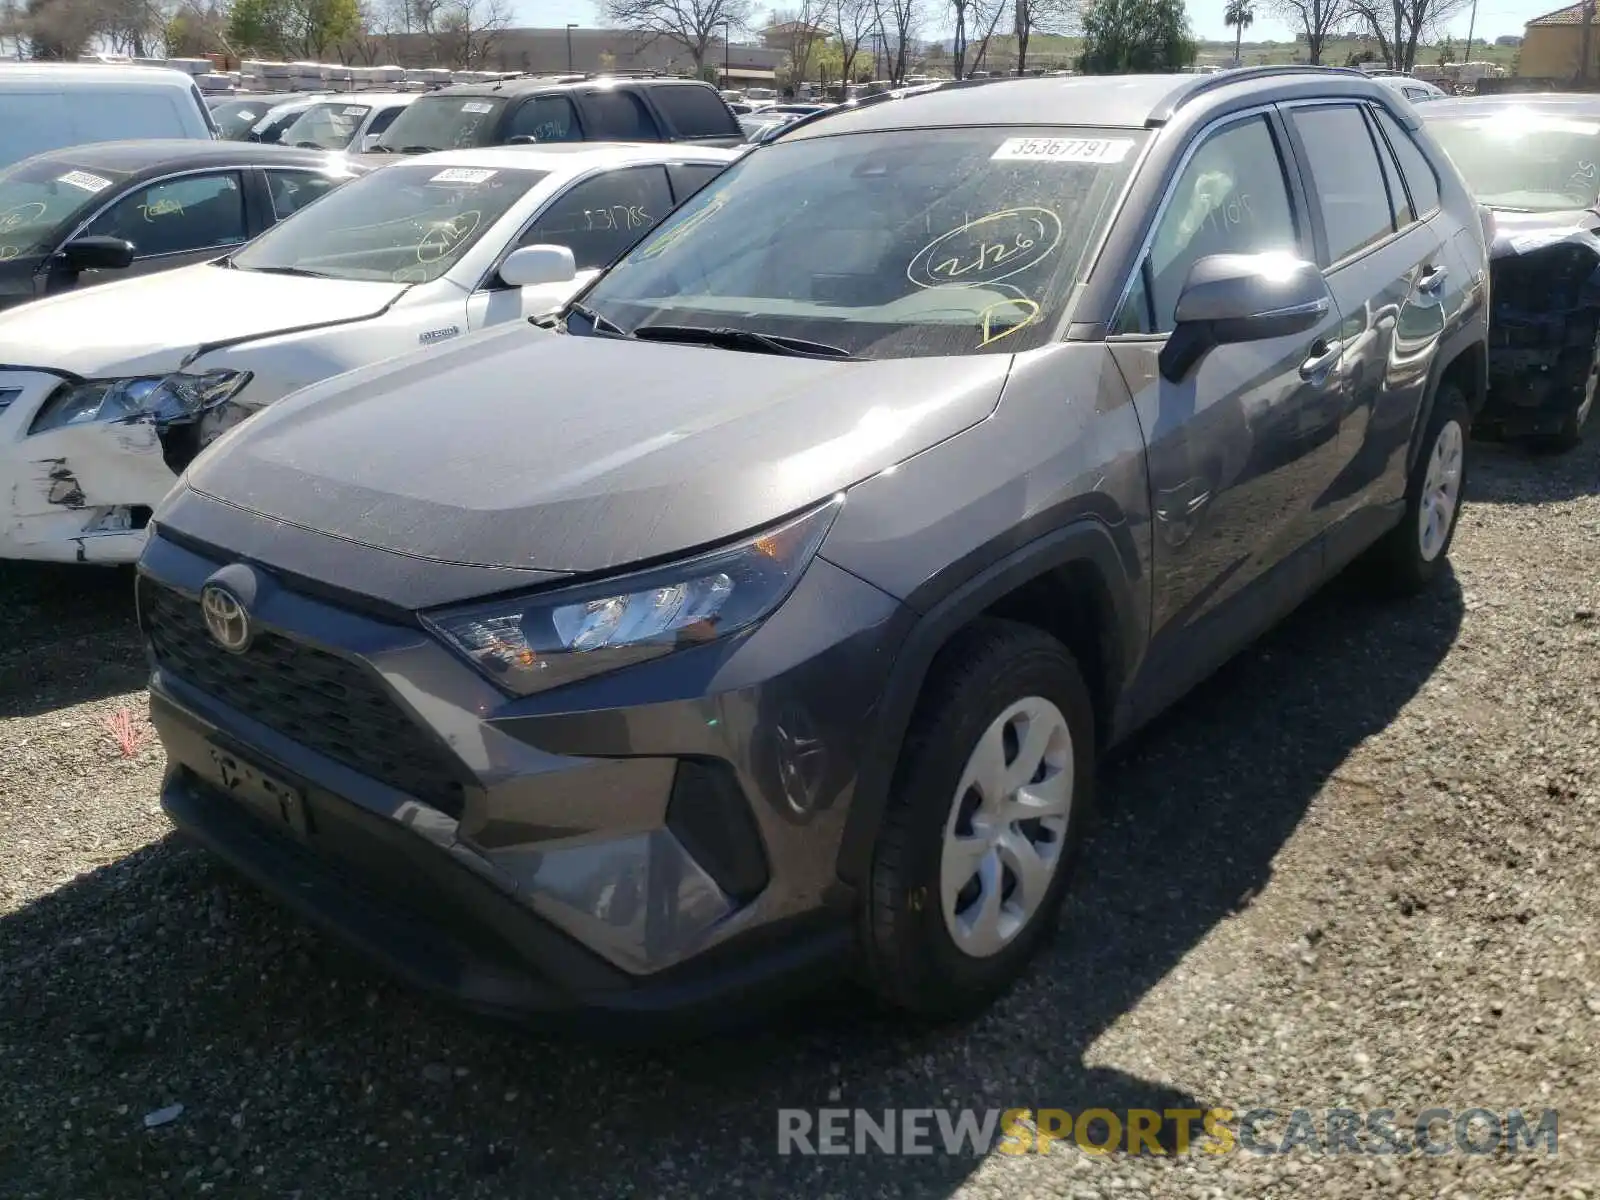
(1242,298)
(534,265)
(369,142)
(97,254)
(522,139)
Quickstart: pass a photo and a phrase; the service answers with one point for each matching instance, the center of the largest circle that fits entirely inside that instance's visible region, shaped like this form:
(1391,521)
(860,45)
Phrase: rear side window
(383,120)
(1399,206)
(621,117)
(695,111)
(1347,177)
(602,217)
(1420,179)
(545,119)
(34,122)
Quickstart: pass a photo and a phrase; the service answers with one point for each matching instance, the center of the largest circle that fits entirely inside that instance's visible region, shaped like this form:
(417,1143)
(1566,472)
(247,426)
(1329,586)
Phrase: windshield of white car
(326,126)
(1525,159)
(409,223)
(41,198)
(443,123)
(884,245)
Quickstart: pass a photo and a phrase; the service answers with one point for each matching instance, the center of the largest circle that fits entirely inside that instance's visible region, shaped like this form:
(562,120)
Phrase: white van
(48,106)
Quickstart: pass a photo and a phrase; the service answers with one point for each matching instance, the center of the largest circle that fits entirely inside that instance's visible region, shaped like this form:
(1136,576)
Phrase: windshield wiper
(304,272)
(416,149)
(741,339)
(380,148)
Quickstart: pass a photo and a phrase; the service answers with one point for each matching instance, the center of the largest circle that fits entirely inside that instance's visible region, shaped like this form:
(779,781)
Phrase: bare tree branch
(1317,19)
(693,24)
(1400,25)
(850,22)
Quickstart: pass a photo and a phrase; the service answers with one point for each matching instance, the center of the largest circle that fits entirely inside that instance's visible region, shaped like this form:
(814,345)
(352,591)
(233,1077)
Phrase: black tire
(1399,563)
(912,961)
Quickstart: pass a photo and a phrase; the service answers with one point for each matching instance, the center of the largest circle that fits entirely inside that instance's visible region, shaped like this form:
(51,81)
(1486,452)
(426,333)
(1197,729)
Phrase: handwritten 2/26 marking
(1069,150)
(7,253)
(987,250)
(22,214)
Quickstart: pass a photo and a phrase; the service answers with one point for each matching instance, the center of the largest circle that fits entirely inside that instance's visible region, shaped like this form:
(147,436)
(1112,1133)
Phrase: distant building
(1552,45)
(1508,39)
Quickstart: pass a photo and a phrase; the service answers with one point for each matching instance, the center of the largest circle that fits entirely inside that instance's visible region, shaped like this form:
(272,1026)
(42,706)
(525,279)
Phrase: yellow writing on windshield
(164,207)
(991,326)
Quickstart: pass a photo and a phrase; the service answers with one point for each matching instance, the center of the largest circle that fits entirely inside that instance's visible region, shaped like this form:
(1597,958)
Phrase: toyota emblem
(226,618)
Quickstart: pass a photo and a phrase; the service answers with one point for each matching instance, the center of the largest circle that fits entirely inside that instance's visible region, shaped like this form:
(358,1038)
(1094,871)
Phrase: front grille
(319,700)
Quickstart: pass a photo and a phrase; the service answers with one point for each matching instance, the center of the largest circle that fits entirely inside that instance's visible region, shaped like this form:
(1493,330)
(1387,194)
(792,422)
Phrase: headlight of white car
(533,643)
(159,398)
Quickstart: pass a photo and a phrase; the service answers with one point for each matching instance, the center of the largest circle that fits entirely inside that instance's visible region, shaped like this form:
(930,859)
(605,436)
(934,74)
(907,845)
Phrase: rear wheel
(1413,554)
(983,827)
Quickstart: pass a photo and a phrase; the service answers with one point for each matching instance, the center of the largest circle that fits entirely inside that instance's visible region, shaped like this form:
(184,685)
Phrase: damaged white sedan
(107,394)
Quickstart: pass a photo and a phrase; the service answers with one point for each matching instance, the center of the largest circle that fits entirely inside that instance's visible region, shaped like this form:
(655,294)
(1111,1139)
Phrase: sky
(1495,17)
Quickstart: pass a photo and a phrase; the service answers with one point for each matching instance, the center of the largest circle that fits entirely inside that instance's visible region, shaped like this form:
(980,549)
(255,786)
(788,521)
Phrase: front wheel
(990,798)
(1413,554)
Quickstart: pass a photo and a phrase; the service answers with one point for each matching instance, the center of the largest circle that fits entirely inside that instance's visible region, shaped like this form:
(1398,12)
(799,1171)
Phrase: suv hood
(522,448)
(153,323)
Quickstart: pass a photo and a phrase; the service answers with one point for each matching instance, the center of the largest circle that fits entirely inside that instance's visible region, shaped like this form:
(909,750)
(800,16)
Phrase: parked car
(117,388)
(275,122)
(774,616)
(1534,162)
(49,106)
(236,115)
(757,128)
(114,210)
(524,110)
(351,122)
(1417,91)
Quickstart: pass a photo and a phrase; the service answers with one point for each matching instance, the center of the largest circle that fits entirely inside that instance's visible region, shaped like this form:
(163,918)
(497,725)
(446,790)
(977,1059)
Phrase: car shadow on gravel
(1512,473)
(68,634)
(158,980)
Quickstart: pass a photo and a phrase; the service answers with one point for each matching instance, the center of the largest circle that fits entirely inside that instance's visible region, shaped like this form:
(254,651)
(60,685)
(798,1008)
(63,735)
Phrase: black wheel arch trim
(1471,337)
(1086,540)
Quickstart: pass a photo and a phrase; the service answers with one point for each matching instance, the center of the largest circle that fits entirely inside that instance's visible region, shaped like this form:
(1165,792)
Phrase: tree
(693,24)
(898,22)
(1136,37)
(1317,19)
(463,32)
(195,30)
(1040,16)
(60,29)
(850,22)
(980,17)
(1240,14)
(797,32)
(1399,25)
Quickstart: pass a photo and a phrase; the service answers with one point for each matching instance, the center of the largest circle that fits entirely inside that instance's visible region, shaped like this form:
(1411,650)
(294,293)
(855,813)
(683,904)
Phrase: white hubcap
(1441,491)
(1007,827)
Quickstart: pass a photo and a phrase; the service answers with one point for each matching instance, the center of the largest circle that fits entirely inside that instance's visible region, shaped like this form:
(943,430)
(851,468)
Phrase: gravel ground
(1357,868)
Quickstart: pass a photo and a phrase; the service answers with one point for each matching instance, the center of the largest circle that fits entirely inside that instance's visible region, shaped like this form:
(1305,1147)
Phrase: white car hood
(156,321)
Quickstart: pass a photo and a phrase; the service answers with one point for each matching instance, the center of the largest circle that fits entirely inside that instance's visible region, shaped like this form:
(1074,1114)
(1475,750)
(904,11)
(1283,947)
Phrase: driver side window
(1230,199)
(176,216)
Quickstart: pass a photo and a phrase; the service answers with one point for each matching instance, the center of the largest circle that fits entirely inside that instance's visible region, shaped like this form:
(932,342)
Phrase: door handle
(1322,359)
(1432,280)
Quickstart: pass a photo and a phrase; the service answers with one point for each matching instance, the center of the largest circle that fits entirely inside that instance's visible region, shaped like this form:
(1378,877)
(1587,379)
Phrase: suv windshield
(885,245)
(40,198)
(443,123)
(1524,158)
(326,126)
(409,223)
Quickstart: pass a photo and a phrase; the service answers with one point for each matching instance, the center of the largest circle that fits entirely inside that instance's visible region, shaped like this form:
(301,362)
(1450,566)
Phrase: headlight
(164,399)
(539,642)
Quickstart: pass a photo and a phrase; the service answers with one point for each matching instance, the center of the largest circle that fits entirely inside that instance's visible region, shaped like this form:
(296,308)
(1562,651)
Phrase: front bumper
(652,841)
(83,494)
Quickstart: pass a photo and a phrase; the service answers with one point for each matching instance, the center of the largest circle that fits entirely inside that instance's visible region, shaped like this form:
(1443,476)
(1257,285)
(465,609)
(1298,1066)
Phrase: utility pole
(570,28)
(1588,26)
(727,50)
(1472,24)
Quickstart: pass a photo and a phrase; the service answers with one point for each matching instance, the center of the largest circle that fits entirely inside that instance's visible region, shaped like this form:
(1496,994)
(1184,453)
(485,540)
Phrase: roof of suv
(1129,101)
(521,85)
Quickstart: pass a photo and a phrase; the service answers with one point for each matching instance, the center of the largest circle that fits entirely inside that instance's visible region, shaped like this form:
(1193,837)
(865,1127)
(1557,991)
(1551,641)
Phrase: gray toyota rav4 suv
(770,611)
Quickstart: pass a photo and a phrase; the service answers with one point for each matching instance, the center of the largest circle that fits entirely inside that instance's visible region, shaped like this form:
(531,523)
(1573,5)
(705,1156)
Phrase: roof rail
(942,85)
(1221,79)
